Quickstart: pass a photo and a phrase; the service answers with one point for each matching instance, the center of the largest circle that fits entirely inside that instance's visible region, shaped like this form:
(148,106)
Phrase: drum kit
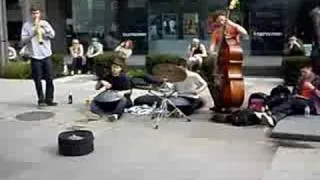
(170,104)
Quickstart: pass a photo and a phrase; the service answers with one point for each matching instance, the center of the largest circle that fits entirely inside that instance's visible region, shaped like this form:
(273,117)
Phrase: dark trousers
(291,106)
(118,109)
(43,69)
(89,65)
(196,103)
(77,64)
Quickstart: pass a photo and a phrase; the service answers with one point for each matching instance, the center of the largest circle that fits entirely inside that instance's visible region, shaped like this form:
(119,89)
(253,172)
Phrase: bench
(299,128)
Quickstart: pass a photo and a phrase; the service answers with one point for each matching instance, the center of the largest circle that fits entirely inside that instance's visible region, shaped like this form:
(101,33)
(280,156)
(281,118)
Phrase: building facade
(165,26)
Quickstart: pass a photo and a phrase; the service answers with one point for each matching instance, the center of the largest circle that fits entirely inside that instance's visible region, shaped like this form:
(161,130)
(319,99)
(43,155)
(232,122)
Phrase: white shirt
(37,50)
(125,52)
(193,84)
(95,49)
(12,53)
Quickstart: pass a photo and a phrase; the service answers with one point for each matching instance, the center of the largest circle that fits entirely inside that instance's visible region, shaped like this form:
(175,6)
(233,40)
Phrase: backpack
(257,102)
(244,117)
(278,95)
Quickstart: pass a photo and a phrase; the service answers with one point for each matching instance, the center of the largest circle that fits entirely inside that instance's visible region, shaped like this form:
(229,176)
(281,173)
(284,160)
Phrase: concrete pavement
(130,148)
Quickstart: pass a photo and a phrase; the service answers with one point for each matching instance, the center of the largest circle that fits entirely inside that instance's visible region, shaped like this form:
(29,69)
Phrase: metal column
(3,35)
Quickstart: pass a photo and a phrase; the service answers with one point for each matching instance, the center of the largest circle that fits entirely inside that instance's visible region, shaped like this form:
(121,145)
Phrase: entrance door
(133,18)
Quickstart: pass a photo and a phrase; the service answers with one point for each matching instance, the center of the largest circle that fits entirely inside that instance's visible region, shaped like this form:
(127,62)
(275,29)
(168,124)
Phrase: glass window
(190,25)
(88,15)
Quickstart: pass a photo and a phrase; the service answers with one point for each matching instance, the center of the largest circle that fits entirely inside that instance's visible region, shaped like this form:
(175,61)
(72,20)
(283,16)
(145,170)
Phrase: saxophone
(38,30)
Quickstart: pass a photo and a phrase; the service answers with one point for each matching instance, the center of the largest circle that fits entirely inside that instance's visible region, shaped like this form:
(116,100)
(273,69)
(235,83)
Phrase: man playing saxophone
(36,35)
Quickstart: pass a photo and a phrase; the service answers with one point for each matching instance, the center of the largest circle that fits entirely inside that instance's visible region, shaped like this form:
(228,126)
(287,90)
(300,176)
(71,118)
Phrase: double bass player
(231,32)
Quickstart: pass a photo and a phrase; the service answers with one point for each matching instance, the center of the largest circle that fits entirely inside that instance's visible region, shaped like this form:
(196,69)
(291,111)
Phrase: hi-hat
(171,72)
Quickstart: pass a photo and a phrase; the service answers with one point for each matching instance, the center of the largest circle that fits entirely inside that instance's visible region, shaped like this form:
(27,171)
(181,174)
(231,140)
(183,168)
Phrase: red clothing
(305,91)
(230,33)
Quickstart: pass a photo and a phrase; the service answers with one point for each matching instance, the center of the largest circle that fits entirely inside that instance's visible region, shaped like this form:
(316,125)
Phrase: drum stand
(162,112)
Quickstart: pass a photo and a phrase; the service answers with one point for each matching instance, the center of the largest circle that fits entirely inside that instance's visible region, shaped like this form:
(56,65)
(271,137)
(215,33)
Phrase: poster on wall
(169,24)
(155,26)
(190,24)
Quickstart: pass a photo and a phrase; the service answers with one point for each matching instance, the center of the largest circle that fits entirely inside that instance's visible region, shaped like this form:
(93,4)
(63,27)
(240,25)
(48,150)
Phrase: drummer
(120,82)
(191,87)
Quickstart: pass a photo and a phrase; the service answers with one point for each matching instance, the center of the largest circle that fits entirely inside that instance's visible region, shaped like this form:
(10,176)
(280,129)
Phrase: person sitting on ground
(294,47)
(305,94)
(196,52)
(191,87)
(12,53)
(119,82)
(94,49)
(188,89)
(125,49)
(77,55)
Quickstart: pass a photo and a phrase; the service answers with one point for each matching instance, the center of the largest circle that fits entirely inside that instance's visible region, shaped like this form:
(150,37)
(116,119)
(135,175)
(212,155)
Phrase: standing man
(37,36)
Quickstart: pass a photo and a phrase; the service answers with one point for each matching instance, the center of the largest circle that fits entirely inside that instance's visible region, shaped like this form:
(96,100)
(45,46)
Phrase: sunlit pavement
(131,149)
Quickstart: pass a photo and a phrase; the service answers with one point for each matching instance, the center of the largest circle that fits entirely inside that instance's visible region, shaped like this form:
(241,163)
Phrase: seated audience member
(94,49)
(306,93)
(196,52)
(294,47)
(12,53)
(125,49)
(120,83)
(77,55)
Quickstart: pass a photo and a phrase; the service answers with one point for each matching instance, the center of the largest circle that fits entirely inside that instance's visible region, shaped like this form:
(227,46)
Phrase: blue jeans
(118,109)
(43,69)
(291,106)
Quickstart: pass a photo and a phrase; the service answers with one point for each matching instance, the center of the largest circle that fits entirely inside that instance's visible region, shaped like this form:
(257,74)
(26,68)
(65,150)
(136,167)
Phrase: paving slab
(294,164)
(298,128)
(129,148)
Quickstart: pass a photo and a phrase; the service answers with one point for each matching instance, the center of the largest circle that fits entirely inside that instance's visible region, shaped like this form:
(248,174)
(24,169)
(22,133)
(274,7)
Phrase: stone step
(298,128)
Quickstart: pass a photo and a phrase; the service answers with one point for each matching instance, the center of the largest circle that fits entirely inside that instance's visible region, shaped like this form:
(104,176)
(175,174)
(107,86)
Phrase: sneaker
(51,103)
(93,116)
(113,117)
(269,120)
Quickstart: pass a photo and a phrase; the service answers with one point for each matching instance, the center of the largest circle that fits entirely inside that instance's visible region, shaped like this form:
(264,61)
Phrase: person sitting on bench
(306,93)
(119,82)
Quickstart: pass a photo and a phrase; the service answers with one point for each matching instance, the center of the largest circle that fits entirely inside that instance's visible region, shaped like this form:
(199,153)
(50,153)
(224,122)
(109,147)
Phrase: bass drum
(107,100)
(183,104)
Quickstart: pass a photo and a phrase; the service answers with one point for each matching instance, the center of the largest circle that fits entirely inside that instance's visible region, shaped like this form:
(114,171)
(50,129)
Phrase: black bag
(278,95)
(280,90)
(258,101)
(244,117)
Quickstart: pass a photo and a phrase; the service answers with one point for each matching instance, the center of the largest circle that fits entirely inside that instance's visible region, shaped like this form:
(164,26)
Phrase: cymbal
(171,72)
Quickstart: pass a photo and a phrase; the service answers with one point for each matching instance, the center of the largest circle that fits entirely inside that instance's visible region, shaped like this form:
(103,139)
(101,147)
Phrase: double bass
(227,88)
